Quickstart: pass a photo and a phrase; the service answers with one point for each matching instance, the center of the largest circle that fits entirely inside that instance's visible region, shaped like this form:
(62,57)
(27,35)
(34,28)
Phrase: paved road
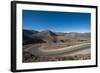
(61,51)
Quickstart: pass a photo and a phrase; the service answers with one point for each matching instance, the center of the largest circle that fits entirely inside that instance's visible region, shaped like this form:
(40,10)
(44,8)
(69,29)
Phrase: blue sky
(56,21)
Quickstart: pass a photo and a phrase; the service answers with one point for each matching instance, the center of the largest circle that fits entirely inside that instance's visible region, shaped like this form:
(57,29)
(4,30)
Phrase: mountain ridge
(48,36)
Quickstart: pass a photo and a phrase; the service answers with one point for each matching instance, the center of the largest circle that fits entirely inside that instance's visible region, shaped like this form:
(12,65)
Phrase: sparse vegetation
(31,58)
(68,58)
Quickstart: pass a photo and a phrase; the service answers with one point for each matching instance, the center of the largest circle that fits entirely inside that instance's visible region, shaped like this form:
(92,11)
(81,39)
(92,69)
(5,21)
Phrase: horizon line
(60,31)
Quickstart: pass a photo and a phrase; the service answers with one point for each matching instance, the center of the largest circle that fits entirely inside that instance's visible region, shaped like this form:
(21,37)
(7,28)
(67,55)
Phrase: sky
(56,21)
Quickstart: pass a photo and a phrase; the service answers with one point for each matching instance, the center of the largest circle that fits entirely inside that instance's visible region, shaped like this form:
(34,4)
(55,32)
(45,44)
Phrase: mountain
(60,33)
(73,36)
(29,32)
(77,35)
(48,32)
(47,36)
(28,37)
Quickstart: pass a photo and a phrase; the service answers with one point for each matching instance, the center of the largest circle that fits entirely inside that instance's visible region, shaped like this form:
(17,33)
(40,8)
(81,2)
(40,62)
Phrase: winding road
(60,51)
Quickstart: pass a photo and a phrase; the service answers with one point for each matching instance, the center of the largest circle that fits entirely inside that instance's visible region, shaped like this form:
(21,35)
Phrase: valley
(55,46)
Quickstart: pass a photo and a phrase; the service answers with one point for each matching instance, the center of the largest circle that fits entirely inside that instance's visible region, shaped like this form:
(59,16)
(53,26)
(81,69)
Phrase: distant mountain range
(47,36)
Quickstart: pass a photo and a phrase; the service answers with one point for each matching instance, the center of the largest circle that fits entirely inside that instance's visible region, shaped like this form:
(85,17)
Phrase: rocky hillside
(47,36)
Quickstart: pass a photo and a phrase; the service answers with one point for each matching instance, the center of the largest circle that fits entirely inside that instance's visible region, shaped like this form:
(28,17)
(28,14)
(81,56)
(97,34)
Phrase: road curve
(55,52)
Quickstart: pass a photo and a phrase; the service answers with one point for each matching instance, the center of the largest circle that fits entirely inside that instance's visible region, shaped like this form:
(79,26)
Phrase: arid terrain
(55,46)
